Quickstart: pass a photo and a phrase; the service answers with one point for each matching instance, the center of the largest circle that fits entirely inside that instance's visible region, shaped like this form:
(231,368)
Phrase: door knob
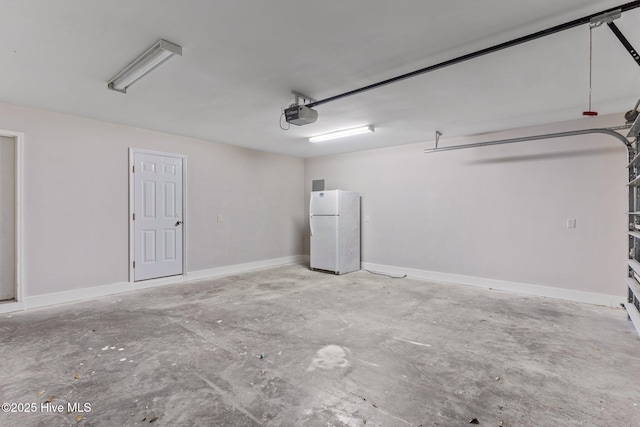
(178,223)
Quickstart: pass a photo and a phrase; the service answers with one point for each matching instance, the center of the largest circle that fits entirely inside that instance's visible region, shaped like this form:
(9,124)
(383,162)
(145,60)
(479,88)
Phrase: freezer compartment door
(323,203)
(324,243)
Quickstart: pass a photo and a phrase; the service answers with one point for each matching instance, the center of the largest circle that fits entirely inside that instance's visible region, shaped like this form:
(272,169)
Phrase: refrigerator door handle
(311,214)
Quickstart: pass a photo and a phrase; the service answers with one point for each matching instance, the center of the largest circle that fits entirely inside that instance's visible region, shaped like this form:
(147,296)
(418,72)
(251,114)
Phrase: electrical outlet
(219,218)
(571,223)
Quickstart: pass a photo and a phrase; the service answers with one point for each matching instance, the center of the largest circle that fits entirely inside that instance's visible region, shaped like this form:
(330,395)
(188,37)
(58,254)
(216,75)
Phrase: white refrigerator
(334,221)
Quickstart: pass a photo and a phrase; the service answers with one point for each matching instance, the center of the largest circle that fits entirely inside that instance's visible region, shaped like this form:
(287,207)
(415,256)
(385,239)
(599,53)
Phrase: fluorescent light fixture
(148,61)
(342,133)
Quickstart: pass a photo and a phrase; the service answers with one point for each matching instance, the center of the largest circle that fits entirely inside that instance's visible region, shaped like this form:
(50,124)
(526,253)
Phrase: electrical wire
(282,127)
(384,274)
(283,105)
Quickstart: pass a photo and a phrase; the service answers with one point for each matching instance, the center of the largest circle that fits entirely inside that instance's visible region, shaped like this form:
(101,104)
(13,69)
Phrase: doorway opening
(10,215)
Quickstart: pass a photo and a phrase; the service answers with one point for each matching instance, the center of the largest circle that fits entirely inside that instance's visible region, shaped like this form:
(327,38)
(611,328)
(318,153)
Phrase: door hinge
(133,168)
(134,264)
(134,216)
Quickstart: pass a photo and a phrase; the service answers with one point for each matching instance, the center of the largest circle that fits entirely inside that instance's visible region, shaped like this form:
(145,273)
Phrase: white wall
(496,212)
(76,200)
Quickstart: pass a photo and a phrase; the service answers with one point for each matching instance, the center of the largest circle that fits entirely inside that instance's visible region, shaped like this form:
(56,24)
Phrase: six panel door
(158,216)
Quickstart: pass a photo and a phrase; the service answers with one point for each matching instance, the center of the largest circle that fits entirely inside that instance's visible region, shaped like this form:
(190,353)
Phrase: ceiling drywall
(242,58)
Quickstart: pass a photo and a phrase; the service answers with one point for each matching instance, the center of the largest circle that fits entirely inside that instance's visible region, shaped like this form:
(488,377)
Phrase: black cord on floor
(384,274)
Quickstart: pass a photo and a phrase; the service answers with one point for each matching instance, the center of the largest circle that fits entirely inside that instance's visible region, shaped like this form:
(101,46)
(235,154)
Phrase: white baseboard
(240,268)
(502,285)
(11,306)
(117,288)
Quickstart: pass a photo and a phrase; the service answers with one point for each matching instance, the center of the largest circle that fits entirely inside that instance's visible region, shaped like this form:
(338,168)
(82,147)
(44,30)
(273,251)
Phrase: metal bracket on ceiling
(299,95)
(605,18)
(627,45)
(608,18)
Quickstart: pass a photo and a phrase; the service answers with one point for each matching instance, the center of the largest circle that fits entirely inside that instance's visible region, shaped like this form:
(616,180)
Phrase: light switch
(571,223)
(219,218)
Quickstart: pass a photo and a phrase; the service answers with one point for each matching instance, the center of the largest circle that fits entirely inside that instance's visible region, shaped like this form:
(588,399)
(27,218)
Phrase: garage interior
(496,166)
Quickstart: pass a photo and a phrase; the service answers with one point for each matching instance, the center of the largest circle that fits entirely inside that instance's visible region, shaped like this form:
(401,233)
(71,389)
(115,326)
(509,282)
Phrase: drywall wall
(7,218)
(498,212)
(76,200)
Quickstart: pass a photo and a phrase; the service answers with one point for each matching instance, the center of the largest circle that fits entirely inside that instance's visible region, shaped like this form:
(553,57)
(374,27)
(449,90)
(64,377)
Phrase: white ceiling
(241,59)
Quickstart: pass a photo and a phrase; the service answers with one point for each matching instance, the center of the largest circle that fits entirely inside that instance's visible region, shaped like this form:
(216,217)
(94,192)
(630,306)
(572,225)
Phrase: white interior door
(158,230)
(7,218)
(324,242)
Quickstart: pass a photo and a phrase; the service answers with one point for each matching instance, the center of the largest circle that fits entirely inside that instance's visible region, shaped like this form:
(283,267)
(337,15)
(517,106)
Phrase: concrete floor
(352,350)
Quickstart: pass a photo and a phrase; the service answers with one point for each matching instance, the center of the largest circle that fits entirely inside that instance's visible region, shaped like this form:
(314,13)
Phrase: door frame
(132,152)
(18,137)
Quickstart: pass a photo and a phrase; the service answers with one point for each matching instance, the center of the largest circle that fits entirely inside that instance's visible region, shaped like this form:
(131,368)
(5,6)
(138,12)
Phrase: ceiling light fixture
(342,133)
(148,61)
